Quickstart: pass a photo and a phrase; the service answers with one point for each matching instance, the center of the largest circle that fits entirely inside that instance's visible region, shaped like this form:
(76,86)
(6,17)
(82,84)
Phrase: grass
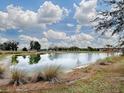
(52,73)
(17,77)
(106,79)
(2,70)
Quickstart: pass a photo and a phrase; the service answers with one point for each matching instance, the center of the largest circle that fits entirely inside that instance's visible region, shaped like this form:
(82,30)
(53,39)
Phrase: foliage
(9,45)
(112,20)
(35,45)
(24,49)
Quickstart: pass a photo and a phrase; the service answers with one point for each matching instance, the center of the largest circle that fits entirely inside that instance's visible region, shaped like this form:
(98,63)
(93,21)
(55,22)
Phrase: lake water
(67,61)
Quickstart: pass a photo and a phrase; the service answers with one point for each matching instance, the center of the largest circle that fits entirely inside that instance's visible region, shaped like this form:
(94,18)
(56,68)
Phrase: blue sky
(51,22)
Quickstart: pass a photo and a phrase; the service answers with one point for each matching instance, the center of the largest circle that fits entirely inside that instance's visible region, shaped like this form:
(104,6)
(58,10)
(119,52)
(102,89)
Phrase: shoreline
(71,78)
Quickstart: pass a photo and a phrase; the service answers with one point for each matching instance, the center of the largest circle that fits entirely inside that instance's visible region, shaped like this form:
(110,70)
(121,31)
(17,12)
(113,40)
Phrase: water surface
(67,61)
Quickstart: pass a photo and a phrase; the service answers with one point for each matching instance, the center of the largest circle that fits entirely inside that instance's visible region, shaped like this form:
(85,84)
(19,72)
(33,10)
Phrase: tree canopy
(112,20)
(35,45)
(9,45)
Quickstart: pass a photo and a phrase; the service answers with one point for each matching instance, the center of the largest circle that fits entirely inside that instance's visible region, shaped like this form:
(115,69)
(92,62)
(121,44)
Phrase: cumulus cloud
(70,25)
(17,18)
(85,11)
(49,13)
(3,39)
(82,37)
(51,34)
(27,38)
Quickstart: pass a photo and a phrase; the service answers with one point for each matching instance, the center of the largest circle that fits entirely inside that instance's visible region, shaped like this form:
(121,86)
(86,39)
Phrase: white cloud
(3,39)
(18,18)
(27,38)
(70,25)
(43,41)
(49,13)
(81,40)
(85,11)
(51,34)
(81,37)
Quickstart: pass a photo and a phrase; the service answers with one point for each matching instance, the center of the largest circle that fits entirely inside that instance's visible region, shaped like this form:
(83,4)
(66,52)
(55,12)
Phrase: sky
(52,23)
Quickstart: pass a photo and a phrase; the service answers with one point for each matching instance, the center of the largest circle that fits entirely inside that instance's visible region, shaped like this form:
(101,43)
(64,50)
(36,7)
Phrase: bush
(52,73)
(24,49)
(17,77)
(2,70)
(49,73)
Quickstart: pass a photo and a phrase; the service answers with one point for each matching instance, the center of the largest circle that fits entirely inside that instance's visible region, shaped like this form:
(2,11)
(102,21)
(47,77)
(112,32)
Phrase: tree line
(35,45)
(13,46)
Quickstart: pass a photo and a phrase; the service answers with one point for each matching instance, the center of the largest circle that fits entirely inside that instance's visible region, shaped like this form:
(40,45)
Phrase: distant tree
(108,46)
(24,49)
(35,45)
(90,48)
(10,45)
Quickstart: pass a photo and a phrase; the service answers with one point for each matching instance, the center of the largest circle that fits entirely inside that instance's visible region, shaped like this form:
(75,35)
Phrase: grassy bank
(44,52)
(105,76)
(104,79)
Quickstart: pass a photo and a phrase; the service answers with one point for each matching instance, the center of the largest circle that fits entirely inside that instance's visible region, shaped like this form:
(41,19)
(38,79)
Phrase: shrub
(49,73)
(18,77)
(109,59)
(52,73)
(24,49)
(2,70)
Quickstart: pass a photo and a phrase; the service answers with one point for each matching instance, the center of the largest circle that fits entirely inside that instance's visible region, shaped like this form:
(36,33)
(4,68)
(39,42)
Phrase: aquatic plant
(18,77)
(34,58)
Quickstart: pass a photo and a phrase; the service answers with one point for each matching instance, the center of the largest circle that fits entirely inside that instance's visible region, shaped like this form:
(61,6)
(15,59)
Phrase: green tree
(112,20)
(24,49)
(35,45)
(10,45)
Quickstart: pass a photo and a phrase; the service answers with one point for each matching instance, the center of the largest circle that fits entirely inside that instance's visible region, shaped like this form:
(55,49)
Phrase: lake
(67,61)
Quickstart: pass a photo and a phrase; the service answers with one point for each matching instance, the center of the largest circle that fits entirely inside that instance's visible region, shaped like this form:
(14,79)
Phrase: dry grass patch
(52,73)
(2,70)
(18,77)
